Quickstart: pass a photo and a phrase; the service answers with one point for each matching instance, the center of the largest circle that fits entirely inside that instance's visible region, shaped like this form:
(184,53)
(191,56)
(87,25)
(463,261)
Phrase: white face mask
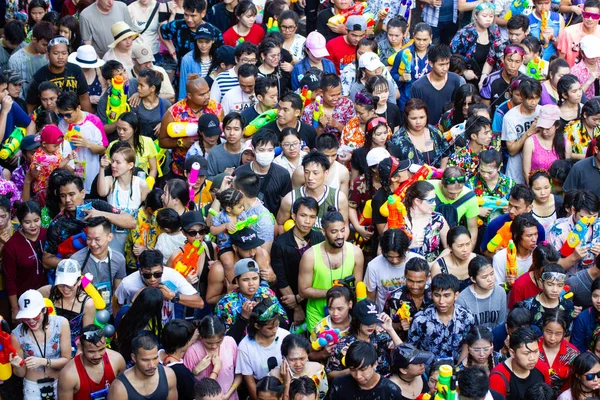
(265,158)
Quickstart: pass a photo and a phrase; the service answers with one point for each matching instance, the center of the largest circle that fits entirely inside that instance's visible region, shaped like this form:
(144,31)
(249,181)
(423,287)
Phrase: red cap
(51,134)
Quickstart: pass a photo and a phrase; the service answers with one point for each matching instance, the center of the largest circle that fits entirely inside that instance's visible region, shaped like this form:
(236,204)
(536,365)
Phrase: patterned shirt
(480,187)
(464,44)
(46,163)
(466,159)
(440,145)
(343,112)
(146,233)
(324,325)
(432,244)
(446,121)
(537,311)
(558,235)
(582,73)
(578,136)
(560,370)
(229,308)
(380,339)
(401,295)
(353,135)
(428,333)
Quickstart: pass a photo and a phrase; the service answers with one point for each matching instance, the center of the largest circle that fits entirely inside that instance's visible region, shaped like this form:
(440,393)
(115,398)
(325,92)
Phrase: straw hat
(120,31)
(86,57)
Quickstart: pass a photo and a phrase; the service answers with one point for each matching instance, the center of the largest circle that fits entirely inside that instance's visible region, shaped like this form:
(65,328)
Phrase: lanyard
(42,353)
(87,257)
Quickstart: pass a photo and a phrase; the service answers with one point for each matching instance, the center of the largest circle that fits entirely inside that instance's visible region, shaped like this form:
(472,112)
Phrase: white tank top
(333,178)
(124,200)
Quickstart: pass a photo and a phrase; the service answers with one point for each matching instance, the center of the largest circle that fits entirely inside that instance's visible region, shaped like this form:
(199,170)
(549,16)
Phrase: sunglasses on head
(591,15)
(590,377)
(148,275)
(94,336)
(551,276)
(455,179)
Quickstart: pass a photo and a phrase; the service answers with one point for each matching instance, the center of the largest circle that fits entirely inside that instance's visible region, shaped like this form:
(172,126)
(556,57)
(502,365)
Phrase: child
(171,237)
(48,157)
(223,224)
(146,233)
(202,187)
(533,49)
(270,388)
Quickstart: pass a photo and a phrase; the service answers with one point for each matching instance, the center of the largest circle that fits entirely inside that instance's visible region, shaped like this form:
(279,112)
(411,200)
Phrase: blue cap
(205,31)
(31,142)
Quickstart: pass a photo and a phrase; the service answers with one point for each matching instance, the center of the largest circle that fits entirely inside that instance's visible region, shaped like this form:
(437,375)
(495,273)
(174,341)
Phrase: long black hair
(460,98)
(132,119)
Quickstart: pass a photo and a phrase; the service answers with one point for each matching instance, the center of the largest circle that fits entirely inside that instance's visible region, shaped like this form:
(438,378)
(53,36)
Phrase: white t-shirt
(253,359)
(385,277)
(514,126)
(133,283)
(236,100)
(499,263)
(169,244)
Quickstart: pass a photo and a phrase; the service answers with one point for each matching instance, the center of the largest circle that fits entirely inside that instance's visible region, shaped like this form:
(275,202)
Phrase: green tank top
(323,278)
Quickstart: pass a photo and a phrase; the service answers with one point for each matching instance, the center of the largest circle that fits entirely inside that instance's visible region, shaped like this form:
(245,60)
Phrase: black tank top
(161,392)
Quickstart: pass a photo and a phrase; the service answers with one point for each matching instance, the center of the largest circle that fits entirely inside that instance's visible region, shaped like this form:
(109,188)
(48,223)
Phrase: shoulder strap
(149,21)
(463,199)
(505,379)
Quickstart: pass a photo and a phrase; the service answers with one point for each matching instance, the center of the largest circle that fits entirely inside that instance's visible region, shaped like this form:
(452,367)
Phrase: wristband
(180,142)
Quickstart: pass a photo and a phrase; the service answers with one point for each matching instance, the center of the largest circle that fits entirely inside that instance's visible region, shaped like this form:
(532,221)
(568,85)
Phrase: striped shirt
(431,14)
(224,82)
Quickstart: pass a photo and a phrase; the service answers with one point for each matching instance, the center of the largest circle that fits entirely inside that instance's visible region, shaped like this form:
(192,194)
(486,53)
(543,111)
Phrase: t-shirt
(26,65)
(379,198)
(518,386)
(384,277)
(306,132)
(522,289)
(514,126)
(96,25)
(581,285)
(236,100)
(254,359)
(16,118)
(489,311)
(133,283)
(220,159)
(568,42)
(497,223)
(141,159)
(495,89)
(434,98)
(469,209)
(499,264)
(71,79)
(340,52)
(345,387)
(223,83)
(273,186)
(255,36)
(265,225)
(150,118)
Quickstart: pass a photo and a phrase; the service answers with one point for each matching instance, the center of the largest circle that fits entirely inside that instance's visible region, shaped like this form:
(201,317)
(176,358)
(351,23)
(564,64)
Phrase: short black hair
(294,341)
(475,124)
(72,179)
(439,52)
(522,336)
(522,192)
(518,21)
(302,386)
(360,354)
(520,223)
(476,264)
(43,30)
(327,141)
(540,391)
(330,81)
(14,32)
(67,101)
(306,201)
(294,99)
(151,258)
(144,340)
(490,156)
(245,48)
(262,86)
(264,137)
(248,183)
(316,157)
(109,68)
(176,334)
(443,282)
(167,218)
(530,88)
(586,200)
(518,316)
(206,387)
(394,240)
(194,5)
(99,221)
(398,22)
(247,70)
(47,85)
(417,264)
(473,382)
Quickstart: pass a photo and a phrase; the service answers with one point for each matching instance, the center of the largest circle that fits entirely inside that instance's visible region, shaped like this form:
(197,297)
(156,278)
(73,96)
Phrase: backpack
(450,211)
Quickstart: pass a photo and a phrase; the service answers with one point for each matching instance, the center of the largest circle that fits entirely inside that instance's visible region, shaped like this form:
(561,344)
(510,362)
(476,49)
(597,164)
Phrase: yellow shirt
(141,160)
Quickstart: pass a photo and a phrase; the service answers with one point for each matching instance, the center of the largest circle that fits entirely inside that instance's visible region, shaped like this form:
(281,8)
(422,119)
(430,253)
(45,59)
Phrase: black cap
(31,142)
(191,218)
(406,354)
(189,161)
(205,31)
(366,312)
(246,239)
(225,55)
(209,125)
(389,167)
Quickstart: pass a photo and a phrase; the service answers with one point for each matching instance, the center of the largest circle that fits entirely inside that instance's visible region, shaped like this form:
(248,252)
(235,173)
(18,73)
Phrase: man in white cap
(97,20)
(342,49)
(143,59)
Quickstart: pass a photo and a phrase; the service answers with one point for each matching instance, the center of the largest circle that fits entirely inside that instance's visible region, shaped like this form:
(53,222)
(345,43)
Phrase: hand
(405,325)
(267,274)
(231,227)
(386,322)
(436,3)
(33,172)
(227,182)
(284,372)
(341,28)
(173,55)
(406,77)
(7,103)
(203,364)
(548,34)
(382,14)
(168,294)
(299,316)
(230,286)
(531,131)
(157,129)
(324,120)
(35,362)
(138,249)
(593,75)
(577,311)
(363,232)
(302,3)
(289,300)
(80,141)
(229,171)
(345,157)
(510,279)
(469,75)
(286,66)
(72,155)
(370,31)
(14,314)
(189,141)
(247,308)
(16,361)
(134,100)
(91,213)
(330,348)
(595,249)
(94,99)
(484,212)
(104,162)
(417,240)
(581,251)
(217,363)
(192,277)
(576,10)
(4,237)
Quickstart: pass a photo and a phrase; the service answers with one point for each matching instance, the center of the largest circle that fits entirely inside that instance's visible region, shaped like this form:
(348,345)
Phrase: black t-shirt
(273,186)
(322,27)
(71,79)
(519,386)
(379,198)
(185,381)
(345,388)
(307,133)
(249,114)
(393,115)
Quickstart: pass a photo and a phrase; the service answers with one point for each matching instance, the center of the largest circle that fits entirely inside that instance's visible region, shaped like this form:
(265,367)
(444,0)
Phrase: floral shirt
(428,333)
(18,175)
(359,193)
(440,145)
(401,295)
(380,339)
(297,47)
(146,233)
(560,370)
(353,135)
(558,235)
(537,311)
(464,44)
(47,164)
(446,120)
(583,74)
(577,134)
(480,187)
(229,308)
(432,244)
(342,113)
(467,159)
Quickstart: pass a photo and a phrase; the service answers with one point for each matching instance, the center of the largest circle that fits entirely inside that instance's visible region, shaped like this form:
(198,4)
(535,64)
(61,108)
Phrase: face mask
(265,158)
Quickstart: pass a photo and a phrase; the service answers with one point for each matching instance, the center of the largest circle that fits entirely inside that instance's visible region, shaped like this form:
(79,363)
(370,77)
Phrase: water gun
(357,9)
(566,293)
(260,121)
(366,216)
(517,7)
(86,285)
(72,245)
(306,96)
(326,337)
(6,349)
(361,291)
(371,19)
(248,222)
(272,25)
(503,236)
(404,312)
(405,6)
(534,70)
(576,236)
(239,41)
(397,213)
(74,131)
(187,261)
(493,202)
(161,156)
(318,111)
(405,62)
(182,129)
(446,386)
(424,173)
(49,306)
(117,101)
(511,263)
(543,27)
(12,143)
(150,181)
(289,224)
(298,329)
(193,179)
(424,396)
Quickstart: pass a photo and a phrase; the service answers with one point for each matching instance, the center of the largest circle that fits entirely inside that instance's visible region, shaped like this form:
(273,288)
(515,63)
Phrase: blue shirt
(583,329)
(497,223)
(534,29)
(301,67)
(418,68)
(16,118)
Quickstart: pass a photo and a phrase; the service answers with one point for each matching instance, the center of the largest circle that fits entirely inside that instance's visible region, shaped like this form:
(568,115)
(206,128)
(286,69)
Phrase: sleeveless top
(202,284)
(465,283)
(334,176)
(86,384)
(329,198)
(541,158)
(75,320)
(161,392)
(48,348)
(125,200)
(95,88)
(323,278)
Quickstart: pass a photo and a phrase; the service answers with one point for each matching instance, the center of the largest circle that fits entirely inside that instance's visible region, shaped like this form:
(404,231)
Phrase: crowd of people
(300,200)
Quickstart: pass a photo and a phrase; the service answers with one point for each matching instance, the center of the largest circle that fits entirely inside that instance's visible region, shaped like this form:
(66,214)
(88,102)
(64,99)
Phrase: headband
(485,5)
(376,121)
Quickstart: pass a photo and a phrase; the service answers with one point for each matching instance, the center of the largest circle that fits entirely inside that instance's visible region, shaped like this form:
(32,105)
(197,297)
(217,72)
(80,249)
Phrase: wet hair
(293,341)
(455,232)
(398,22)
(331,215)
(460,98)
(474,382)
(206,387)
(522,192)
(476,264)
(306,201)
(395,240)
(57,179)
(316,157)
(26,207)
(443,282)
(519,224)
(475,124)
(586,200)
(211,326)
(417,264)
(480,332)
(167,218)
(519,316)
(270,384)
(360,354)
(490,156)
(176,334)
(230,198)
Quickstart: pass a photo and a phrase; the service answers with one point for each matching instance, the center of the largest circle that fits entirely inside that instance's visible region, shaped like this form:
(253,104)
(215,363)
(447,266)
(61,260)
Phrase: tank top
(125,200)
(75,320)
(444,268)
(86,384)
(333,178)
(161,392)
(48,348)
(323,278)
(329,198)
(541,158)
(95,88)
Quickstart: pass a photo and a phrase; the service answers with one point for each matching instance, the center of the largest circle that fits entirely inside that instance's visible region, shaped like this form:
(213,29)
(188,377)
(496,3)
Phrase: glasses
(248,60)
(288,27)
(455,179)
(591,377)
(430,201)
(481,349)
(551,276)
(156,275)
(195,233)
(591,15)
(290,145)
(65,115)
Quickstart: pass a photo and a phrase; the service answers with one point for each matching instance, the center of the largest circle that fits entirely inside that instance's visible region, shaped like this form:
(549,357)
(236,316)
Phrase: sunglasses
(430,201)
(550,276)
(591,15)
(195,233)
(65,115)
(455,179)
(94,336)
(148,275)
(591,377)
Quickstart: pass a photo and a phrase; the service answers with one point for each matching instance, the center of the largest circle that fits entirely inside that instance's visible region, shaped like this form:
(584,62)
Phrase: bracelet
(48,364)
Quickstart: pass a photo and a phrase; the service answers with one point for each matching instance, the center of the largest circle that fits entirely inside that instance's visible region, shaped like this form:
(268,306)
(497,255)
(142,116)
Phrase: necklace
(330,266)
(303,242)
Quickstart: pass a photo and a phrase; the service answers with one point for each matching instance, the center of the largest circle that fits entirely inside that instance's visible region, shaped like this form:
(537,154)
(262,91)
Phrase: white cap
(31,303)
(590,45)
(370,61)
(68,272)
(377,155)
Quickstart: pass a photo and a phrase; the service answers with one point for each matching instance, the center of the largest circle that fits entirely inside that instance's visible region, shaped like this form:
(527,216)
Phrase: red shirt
(22,264)
(522,289)
(87,385)
(255,36)
(340,52)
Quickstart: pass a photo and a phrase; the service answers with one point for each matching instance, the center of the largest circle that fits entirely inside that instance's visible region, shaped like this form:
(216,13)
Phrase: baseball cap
(191,218)
(406,354)
(68,272)
(370,61)
(244,266)
(14,77)
(31,303)
(225,55)
(141,53)
(389,167)
(356,23)
(590,45)
(549,114)
(205,31)
(189,161)
(246,239)
(315,43)
(366,312)
(31,142)
(376,156)
(209,125)
(51,134)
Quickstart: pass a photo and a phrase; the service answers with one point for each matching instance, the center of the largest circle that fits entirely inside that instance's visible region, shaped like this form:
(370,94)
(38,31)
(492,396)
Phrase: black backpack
(449,211)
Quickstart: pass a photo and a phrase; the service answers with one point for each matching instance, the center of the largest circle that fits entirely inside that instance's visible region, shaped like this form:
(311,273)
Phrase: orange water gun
(306,96)
(426,172)
(357,9)
(397,213)
(503,236)
(511,263)
(366,216)
(187,261)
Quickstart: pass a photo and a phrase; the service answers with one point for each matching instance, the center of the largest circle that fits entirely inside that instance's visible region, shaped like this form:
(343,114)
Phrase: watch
(180,142)
(175,299)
